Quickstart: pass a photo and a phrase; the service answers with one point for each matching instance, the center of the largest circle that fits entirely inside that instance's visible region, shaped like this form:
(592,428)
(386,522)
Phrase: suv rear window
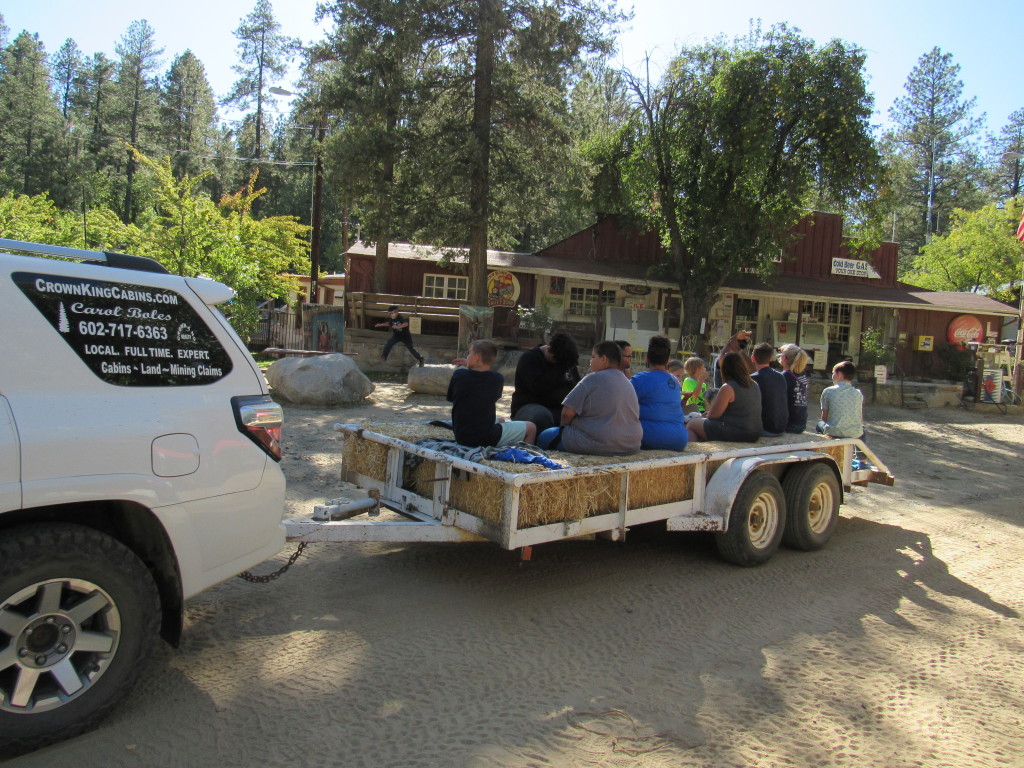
(129,335)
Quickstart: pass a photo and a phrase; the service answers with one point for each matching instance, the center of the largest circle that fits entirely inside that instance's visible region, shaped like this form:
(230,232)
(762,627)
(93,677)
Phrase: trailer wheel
(756,521)
(812,503)
(78,619)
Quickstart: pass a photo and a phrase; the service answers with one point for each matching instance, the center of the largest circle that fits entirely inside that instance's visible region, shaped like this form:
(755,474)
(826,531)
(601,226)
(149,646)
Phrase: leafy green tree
(30,122)
(187,114)
(136,97)
(35,218)
(194,236)
(936,164)
(263,53)
(979,253)
(722,154)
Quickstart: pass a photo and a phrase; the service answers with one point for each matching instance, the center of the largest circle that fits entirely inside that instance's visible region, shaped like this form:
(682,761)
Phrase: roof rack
(108,258)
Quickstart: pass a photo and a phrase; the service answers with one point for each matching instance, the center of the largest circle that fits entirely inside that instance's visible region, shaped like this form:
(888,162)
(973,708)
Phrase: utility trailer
(753,497)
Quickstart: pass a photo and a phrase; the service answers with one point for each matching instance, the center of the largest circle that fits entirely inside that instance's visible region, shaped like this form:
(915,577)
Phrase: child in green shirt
(695,386)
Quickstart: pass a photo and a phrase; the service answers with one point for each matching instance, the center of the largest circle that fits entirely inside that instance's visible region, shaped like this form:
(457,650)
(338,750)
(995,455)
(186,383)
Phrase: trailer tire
(756,521)
(812,504)
(79,616)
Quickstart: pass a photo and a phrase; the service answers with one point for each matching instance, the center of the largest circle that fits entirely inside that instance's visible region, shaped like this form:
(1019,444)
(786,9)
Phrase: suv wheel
(78,619)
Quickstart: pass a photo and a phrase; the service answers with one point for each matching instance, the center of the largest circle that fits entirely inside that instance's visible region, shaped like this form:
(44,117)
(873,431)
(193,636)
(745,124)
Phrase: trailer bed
(441,497)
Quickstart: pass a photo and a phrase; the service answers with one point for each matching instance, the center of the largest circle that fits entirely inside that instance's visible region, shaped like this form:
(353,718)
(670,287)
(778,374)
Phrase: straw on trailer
(560,500)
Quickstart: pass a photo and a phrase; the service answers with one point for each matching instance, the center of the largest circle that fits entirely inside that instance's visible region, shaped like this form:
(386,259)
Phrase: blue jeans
(550,439)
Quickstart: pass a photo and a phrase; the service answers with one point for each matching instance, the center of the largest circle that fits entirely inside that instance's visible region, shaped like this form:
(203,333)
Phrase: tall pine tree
(187,115)
(263,54)
(136,99)
(931,149)
(30,122)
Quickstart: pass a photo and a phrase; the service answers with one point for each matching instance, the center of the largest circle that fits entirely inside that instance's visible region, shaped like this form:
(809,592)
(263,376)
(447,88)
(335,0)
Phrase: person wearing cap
(399,333)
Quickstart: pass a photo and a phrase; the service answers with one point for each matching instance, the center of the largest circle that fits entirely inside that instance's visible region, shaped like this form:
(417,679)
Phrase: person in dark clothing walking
(399,334)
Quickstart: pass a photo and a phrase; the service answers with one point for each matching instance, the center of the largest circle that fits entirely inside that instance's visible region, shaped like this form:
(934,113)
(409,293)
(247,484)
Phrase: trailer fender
(723,486)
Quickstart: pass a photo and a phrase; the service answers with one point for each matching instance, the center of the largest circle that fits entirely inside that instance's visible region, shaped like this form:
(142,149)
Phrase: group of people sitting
(609,412)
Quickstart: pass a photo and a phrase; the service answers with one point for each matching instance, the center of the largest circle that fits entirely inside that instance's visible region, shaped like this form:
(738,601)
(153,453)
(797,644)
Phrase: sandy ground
(900,644)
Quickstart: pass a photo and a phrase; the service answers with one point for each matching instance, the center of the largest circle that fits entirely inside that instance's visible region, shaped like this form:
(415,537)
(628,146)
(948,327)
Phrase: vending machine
(813,339)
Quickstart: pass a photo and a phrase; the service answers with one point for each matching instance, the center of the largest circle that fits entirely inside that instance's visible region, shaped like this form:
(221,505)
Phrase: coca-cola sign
(964,328)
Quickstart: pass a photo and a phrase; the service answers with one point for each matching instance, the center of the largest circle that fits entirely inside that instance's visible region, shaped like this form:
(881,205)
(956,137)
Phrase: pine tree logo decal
(62,320)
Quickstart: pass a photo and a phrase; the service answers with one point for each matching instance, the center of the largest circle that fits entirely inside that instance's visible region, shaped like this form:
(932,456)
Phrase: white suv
(139,454)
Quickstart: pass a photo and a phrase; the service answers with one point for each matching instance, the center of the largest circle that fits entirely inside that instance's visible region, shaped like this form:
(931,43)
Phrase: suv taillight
(261,419)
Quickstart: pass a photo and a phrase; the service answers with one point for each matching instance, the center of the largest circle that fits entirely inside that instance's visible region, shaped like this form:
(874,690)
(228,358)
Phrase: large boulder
(323,380)
(430,379)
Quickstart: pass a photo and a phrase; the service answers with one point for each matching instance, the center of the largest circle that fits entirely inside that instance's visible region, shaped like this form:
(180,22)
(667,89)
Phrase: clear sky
(985,39)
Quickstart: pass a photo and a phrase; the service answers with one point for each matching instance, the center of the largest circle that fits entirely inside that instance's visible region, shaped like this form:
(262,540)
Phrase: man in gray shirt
(601,415)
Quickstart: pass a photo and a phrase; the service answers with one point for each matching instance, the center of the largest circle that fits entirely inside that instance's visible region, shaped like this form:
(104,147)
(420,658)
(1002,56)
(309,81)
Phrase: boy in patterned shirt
(842,405)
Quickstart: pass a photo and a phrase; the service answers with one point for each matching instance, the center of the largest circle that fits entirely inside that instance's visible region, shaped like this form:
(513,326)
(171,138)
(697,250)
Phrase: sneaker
(422,362)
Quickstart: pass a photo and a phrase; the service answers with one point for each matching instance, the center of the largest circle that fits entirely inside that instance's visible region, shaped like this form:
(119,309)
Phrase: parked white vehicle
(139,454)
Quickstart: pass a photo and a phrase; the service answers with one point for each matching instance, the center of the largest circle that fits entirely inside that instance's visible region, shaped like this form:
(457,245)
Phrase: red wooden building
(598,276)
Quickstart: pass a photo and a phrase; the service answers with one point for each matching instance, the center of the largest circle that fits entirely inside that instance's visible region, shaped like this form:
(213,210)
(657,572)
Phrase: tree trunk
(133,141)
(695,305)
(380,262)
(479,202)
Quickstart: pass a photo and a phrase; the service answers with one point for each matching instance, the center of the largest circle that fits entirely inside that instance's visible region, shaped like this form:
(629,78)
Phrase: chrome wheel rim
(60,635)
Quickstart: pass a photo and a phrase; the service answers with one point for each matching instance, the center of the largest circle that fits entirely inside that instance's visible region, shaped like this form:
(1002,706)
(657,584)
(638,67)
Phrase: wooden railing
(365,310)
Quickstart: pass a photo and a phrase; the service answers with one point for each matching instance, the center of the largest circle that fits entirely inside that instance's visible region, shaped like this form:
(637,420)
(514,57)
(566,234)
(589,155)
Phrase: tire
(812,506)
(756,522)
(79,616)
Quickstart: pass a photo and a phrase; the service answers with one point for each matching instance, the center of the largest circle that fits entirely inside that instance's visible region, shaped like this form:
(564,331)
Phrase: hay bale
(650,487)
(569,499)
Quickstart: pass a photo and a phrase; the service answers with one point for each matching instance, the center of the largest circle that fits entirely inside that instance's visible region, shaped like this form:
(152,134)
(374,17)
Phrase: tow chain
(253,578)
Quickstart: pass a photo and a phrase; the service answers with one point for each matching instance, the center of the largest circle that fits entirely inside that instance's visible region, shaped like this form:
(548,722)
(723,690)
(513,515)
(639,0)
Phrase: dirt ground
(900,644)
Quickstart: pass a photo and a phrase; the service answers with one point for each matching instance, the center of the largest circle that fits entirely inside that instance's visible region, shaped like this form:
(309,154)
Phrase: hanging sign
(853,268)
(637,290)
(502,289)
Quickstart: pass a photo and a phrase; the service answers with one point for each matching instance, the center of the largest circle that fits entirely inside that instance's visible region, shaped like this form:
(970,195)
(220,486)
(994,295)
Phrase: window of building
(584,300)
(836,316)
(745,317)
(445,287)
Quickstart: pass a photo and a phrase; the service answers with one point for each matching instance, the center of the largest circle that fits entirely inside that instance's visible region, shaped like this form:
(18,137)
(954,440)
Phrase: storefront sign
(502,289)
(964,328)
(637,290)
(853,268)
